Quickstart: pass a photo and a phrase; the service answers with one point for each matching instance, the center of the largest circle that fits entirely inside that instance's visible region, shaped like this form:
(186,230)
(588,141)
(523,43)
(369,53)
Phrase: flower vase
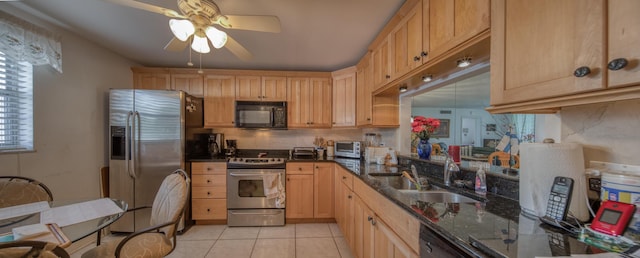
(424,149)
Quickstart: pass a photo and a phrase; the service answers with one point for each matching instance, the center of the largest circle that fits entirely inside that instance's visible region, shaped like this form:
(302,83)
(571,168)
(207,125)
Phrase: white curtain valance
(27,42)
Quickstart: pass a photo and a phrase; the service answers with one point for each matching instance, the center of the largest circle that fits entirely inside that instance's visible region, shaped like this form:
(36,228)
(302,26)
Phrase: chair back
(170,201)
(17,190)
(38,249)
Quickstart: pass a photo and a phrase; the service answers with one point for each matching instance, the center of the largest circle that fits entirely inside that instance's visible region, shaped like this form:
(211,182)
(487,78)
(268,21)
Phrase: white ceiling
(317,35)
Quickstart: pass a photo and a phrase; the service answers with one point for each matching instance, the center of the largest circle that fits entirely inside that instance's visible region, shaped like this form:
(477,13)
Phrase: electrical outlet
(595,184)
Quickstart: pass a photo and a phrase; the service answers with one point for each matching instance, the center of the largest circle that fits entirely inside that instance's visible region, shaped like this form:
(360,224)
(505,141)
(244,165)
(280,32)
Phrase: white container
(622,183)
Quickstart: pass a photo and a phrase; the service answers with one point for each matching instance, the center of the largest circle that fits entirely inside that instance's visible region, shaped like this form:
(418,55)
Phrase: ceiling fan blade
(176,45)
(148,7)
(238,49)
(263,23)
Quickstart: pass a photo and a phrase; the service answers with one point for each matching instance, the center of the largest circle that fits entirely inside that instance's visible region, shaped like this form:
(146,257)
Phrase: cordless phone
(559,200)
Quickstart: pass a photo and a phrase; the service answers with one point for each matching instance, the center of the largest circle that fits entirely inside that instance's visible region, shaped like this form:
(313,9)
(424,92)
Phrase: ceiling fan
(195,24)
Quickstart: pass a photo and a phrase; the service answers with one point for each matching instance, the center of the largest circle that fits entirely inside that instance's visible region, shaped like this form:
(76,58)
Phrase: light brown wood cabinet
(344,204)
(448,23)
(193,84)
(310,190)
(248,88)
(363,230)
(406,42)
(344,96)
(151,80)
(563,59)
(307,99)
(209,190)
(261,88)
(381,66)
(363,93)
(219,101)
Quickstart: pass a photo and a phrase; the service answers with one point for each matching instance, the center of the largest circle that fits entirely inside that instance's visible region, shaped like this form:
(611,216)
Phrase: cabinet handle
(349,196)
(300,169)
(208,169)
(233,122)
(423,53)
(317,167)
(370,219)
(208,181)
(287,179)
(429,248)
(368,118)
(416,58)
(387,76)
(582,71)
(208,193)
(208,210)
(344,177)
(617,64)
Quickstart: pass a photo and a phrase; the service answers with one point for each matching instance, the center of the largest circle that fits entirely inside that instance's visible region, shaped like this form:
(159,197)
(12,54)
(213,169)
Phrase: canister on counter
(454,152)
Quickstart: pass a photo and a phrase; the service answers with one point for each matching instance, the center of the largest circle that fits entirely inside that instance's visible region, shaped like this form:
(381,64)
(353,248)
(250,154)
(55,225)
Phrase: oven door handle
(256,213)
(245,175)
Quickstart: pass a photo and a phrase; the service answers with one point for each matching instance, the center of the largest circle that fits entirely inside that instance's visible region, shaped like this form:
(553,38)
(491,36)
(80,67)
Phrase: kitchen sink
(437,196)
(400,182)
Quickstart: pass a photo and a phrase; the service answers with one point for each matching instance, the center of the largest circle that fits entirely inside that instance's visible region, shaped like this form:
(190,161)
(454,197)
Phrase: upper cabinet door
(189,83)
(406,41)
(381,65)
(344,99)
(248,88)
(219,101)
(320,101)
(274,88)
(624,39)
(151,81)
(298,92)
(538,45)
(448,23)
(363,95)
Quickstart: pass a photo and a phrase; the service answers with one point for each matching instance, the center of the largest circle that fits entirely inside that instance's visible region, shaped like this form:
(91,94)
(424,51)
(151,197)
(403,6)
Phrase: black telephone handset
(559,200)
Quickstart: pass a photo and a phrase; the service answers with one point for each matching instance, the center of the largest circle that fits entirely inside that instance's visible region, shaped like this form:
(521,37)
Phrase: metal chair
(158,240)
(38,249)
(18,190)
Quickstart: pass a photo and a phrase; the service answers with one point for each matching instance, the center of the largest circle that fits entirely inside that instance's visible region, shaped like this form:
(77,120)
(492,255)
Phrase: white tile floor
(313,240)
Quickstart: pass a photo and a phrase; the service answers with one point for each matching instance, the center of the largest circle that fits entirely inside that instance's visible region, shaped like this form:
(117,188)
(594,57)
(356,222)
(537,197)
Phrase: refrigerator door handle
(127,142)
(134,143)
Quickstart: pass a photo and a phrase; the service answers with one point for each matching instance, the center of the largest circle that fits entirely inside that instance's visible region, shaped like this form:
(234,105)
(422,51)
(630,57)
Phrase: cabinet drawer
(345,177)
(209,180)
(209,209)
(300,168)
(217,168)
(199,192)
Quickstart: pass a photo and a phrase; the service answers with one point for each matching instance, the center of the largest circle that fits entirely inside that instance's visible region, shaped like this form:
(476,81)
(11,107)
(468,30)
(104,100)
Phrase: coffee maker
(231,148)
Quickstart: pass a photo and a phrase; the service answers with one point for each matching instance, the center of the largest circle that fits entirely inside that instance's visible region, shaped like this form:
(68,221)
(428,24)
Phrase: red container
(454,152)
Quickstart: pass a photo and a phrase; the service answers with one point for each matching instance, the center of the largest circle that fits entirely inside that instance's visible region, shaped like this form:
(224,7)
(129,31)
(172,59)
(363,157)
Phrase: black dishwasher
(433,245)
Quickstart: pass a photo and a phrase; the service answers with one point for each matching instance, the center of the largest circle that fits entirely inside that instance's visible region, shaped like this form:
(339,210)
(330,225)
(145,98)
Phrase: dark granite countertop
(493,220)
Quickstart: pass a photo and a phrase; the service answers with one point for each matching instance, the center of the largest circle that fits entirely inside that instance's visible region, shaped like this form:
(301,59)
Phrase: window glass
(16,105)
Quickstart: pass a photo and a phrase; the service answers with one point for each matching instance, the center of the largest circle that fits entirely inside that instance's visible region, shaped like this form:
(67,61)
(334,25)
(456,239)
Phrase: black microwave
(261,114)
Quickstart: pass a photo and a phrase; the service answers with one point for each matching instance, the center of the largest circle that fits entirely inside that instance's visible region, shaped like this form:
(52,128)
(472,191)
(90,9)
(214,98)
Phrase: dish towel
(273,188)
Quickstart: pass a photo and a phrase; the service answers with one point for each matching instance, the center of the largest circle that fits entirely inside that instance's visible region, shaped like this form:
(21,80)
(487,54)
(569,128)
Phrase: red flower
(424,127)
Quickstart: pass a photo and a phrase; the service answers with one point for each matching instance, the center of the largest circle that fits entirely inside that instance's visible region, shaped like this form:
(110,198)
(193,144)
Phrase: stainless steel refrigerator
(148,130)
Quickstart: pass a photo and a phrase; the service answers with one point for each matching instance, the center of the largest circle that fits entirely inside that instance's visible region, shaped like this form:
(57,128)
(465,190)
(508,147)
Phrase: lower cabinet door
(388,244)
(299,202)
(209,209)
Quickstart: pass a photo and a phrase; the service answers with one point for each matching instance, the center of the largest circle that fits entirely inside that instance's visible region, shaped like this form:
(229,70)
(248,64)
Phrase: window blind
(16,104)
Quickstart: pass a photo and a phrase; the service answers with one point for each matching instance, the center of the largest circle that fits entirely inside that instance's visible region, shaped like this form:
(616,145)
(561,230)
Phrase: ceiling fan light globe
(218,38)
(182,29)
(200,44)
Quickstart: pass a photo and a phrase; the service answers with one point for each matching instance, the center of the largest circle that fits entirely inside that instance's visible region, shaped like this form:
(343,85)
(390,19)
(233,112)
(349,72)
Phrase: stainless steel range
(256,191)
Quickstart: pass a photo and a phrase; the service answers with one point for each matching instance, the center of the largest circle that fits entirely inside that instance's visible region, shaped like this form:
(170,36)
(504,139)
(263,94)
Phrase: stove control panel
(257,161)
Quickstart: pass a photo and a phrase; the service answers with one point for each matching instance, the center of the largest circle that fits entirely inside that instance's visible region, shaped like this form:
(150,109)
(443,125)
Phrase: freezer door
(120,182)
(158,147)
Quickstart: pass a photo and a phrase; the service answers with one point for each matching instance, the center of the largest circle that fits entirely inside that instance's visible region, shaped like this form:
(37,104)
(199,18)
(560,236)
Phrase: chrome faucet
(450,168)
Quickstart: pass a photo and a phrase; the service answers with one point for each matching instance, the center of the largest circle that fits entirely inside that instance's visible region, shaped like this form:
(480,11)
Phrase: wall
(288,139)
(608,132)
(70,116)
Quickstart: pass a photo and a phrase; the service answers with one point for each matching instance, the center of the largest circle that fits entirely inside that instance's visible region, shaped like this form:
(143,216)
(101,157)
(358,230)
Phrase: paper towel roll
(540,163)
